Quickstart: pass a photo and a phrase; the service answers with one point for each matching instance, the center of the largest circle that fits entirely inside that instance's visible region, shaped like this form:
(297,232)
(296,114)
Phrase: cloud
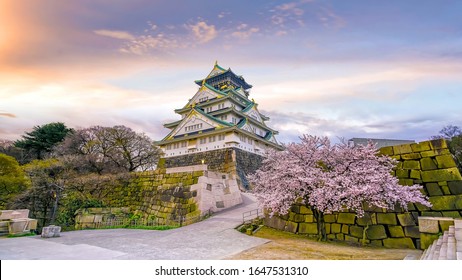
(244,32)
(8,115)
(330,19)
(116,34)
(203,32)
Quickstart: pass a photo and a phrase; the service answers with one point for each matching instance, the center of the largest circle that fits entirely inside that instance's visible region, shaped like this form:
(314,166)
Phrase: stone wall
(167,195)
(230,160)
(427,163)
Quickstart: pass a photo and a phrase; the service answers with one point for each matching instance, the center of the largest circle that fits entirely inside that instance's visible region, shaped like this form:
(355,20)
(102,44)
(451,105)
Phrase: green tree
(42,139)
(13,180)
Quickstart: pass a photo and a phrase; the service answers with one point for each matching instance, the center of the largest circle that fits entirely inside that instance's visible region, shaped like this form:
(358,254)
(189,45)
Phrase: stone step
(458,223)
(444,248)
(436,253)
(459,256)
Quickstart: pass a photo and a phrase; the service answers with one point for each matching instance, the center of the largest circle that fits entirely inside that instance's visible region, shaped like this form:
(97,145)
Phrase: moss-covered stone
(295,209)
(345,229)
(399,243)
(406,182)
(406,219)
(426,239)
(396,231)
(445,224)
(445,190)
(308,228)
(340,236)
(330,218)
(376,243)
(438,144)
(346,218)
(364,220)
(433,189)
(376,232)
(386,218)
(411,164)
(388,151)
(291,227)
(305,210)
(445,161)
(447,202)
(275,222)
(428,164)
(412,231)
(451,214)
(351,239)
(402,149)
(449,174)
(402,173)
(356,231)
(296,217)
(433,153)
(411,156)
(336,228)
(309,218)
(331,236)
(415,174)
(420,147)
(421,207)
(455,187)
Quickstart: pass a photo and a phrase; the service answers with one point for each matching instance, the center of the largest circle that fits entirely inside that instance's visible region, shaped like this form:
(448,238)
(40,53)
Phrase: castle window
(184,144)
(203,140)
(221,137)
(224,117)
(212,139)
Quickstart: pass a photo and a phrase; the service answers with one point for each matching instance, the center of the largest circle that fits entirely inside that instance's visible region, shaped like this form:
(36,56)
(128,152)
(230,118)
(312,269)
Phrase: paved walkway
(214,238)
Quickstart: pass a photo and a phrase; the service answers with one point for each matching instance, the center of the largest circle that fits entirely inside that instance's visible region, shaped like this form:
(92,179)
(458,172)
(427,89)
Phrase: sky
(373,69)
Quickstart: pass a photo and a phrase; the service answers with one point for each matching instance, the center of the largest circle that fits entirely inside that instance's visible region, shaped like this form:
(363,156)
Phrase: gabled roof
(193,111)
(218,71)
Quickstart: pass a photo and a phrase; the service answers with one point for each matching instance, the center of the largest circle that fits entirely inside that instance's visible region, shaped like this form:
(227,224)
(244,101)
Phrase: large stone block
(451,214)
(411,156)
(433,189)
(336,228)
(420,147)
(305,210)
(445,161)
(411,164)
(51,231)
(406,219)
(412,231)
(364,220)
(402,149)
(455,187)
(447,202)
(399,243)
(356,231)
(449,174)
(396,231)
(386,218)
(402,173)
(376,232)
(438,144)
(275,222)
(433,153)
(308,228)
(346,218)
(345,229)
(428,164)
(309,219)
(351,239)
(426,239)
(291,227)
(330,218)
(415,174)
(429,225)
(388,151)
(445,224)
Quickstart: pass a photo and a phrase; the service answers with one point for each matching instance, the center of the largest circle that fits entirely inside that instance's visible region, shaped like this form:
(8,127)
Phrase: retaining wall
(427,163)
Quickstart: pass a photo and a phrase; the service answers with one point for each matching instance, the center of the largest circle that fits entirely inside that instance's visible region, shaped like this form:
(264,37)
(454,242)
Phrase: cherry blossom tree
(329,178)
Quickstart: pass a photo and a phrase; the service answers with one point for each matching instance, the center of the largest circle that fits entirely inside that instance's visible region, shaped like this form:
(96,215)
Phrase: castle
(220,115)
(220,127)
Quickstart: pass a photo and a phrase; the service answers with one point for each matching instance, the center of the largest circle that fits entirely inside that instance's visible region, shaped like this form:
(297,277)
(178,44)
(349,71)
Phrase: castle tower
(219,118)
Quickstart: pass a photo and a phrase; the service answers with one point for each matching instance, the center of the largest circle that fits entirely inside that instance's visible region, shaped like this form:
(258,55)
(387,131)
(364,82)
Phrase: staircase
(448,246)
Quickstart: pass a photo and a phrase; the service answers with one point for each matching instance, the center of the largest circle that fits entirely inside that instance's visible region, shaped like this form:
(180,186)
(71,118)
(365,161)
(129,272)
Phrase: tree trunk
(321,226)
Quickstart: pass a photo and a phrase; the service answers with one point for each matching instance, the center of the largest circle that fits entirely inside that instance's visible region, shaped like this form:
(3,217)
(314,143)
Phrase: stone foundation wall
(427,163)
(230,160)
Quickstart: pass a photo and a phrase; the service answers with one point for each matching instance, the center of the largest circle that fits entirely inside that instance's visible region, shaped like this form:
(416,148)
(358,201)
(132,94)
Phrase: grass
(289,246)
(21,234)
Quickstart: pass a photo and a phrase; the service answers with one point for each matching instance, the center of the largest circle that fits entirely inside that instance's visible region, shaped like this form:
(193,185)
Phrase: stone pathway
(214,238)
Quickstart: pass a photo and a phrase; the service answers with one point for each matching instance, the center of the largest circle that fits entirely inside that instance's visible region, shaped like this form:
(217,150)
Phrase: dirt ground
(288,246)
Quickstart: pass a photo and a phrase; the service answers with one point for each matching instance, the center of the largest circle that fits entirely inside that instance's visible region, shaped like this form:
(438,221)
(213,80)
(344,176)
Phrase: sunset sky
(392,69)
